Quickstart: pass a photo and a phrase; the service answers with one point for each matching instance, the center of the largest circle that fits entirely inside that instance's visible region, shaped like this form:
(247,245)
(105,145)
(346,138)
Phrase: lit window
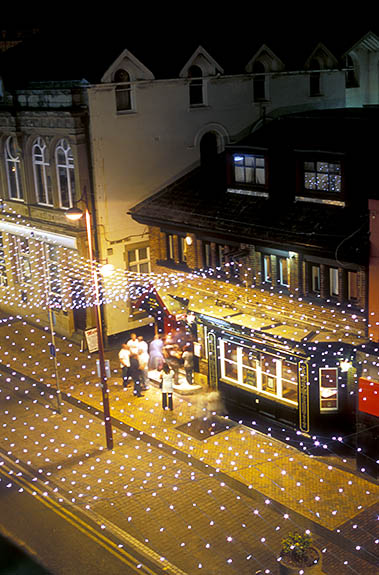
(352,286)
(170,253)
(260,372)
(139,260)
(333,282)
(315,279)
(41,168)
(123,91)
(322,177)
(283,271)
(269,375)
(249,169)
(13,169)
(65,174)
(328,389)
(267,270)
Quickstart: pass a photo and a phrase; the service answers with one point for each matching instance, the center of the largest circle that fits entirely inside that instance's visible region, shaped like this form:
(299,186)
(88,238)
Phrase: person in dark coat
(135,374)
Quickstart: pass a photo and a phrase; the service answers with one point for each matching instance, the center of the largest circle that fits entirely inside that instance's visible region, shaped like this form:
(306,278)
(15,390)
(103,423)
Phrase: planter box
(288,568)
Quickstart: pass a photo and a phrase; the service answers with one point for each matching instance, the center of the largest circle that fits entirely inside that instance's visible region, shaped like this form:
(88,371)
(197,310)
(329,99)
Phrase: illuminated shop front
(307,386)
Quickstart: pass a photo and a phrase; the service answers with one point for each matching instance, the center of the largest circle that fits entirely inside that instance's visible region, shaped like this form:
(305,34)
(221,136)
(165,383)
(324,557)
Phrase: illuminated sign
(303,396)
(212,360)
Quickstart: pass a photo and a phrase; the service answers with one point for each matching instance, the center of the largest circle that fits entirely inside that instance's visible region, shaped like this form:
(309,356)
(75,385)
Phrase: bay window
(260,372)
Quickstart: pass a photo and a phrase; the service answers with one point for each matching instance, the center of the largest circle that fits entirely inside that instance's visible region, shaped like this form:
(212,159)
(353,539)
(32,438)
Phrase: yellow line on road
(91,532)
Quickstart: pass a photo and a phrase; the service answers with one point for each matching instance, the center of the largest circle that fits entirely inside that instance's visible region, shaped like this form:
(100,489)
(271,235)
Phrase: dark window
(259,82)
(196,95)
(314,278)
(123,91)
(315,79)
(351,75)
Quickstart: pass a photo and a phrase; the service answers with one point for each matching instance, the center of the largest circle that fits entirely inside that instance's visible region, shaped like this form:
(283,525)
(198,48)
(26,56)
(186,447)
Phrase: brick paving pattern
(215,519)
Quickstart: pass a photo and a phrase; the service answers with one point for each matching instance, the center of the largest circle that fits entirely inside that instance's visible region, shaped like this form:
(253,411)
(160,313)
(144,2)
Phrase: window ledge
(320,201)
(256,193)
(125,112)
(198,107)
(180,266)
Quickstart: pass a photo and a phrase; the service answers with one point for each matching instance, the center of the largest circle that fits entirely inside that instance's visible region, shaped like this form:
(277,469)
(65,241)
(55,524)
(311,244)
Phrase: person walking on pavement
(156,358)
(133,344)
(124,357)
(174,359)
(143,360)
(167,386)
(135,374)
(188,363)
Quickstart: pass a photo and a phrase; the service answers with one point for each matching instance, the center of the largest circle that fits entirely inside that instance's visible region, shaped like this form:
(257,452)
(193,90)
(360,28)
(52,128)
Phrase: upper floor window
(139,260)
(334,288)
(196,85)
(283,271)
(13,169)
(259,82)
(249,169)
(65,174)
(41,168)
(123,91)
(352,286)
(322,176)
(315,79)
(351,74)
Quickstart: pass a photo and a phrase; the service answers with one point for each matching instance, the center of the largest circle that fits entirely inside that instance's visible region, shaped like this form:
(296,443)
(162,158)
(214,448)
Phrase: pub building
(275,238)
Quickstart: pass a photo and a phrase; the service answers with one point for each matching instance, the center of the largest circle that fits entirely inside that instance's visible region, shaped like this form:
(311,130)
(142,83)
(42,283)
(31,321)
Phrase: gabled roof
(88,50)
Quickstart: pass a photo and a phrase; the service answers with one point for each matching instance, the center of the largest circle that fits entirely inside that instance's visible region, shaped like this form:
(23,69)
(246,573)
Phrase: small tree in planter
(299,556)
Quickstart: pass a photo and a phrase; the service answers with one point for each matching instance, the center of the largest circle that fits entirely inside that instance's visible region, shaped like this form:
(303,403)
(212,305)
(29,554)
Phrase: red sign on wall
(369,396)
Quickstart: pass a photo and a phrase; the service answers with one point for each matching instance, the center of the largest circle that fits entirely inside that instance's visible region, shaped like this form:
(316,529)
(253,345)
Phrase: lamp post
(75,214)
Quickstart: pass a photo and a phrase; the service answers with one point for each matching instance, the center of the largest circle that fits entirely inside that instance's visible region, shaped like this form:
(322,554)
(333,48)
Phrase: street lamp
(75,214)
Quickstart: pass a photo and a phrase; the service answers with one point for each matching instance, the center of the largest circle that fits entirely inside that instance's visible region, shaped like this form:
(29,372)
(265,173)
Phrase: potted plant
(298,555)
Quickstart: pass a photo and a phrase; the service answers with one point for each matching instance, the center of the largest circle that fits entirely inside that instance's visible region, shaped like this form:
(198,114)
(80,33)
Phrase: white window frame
(280,265)
(13,164)
(313,277)
(333,282)
(68,174)
(328,389)
(248,169)
(138,262)
(239,382)
(39,160)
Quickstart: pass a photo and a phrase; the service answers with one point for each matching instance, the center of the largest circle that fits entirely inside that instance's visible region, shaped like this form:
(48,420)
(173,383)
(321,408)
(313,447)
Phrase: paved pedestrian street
(217,505)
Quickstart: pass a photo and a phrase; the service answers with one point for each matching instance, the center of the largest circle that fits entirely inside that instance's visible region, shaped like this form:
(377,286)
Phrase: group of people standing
(164,355)
(134,363)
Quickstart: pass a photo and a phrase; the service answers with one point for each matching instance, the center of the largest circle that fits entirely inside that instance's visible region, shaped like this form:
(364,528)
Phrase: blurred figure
(215,404)
(187,357)
(143,360)
(156,358)
(124,357)
(135,374)
(133,344)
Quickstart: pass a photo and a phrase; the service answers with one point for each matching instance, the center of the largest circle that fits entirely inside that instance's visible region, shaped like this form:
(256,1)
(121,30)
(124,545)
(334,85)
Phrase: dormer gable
(129,63)
(203,60)
(267,58)
(322,56)
(368,43)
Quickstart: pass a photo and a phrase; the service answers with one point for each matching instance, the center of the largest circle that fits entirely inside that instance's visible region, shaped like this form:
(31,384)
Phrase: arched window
(41,168)
(259,82)
(196,94)
(13,169)
(65,174)
(123,91)
(315,78)
(351,74)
